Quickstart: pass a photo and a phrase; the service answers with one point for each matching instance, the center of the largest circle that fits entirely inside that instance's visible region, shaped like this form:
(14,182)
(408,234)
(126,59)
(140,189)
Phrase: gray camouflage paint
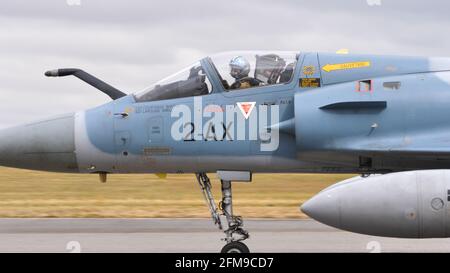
(410,133)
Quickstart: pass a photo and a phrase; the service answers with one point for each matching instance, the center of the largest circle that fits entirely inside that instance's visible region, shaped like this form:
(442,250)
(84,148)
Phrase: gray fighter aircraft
(240,113)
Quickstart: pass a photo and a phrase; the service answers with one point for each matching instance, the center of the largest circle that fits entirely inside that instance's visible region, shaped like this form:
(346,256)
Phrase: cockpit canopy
(265,68)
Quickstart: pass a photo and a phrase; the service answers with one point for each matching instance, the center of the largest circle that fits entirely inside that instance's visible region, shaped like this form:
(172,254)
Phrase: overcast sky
(130,44)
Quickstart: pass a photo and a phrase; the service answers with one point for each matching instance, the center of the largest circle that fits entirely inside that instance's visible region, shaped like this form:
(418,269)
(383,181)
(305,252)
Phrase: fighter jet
(239,113)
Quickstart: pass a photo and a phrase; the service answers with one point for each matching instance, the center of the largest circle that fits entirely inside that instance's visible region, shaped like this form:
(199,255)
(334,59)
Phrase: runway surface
(192,235)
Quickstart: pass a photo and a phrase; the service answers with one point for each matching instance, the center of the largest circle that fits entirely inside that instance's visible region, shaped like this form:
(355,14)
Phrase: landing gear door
(310,76)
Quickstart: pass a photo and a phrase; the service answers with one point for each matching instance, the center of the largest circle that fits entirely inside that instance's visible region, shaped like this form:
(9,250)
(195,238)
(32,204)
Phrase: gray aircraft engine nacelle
(411,204)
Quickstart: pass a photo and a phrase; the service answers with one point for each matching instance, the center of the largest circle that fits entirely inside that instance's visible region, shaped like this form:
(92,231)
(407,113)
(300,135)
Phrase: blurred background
(133,43)
(40,194)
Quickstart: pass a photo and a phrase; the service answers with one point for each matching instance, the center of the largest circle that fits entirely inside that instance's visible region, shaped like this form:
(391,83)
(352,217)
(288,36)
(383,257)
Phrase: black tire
(235,247)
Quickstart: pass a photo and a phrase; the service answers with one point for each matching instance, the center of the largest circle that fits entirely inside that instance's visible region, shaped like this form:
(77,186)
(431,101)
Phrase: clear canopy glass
(236,70)
(265,68)
(191,81)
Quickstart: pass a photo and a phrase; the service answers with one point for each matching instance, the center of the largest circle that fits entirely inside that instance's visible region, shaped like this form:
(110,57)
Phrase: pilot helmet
(240,67)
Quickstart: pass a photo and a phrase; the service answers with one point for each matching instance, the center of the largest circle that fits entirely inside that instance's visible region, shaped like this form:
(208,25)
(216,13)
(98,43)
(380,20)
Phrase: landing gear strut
(235,234)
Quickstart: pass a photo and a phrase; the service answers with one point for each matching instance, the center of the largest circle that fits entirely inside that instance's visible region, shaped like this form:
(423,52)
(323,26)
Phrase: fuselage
(336,113)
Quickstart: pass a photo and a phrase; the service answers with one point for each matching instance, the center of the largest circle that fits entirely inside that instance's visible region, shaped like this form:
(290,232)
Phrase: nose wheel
(235,247)
(235,233)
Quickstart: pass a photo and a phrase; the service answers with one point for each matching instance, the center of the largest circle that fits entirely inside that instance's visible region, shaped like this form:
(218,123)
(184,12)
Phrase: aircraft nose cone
(47,145)
(323,207)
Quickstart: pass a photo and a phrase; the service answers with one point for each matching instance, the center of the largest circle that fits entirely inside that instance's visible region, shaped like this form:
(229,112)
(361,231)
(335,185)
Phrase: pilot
(239,69)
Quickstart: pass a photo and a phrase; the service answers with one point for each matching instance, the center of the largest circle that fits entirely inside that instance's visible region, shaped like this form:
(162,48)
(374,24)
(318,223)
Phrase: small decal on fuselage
(149,151)
(143,109)
(246,108)
(309,82)
(212,108)
(345,66)
(309,70)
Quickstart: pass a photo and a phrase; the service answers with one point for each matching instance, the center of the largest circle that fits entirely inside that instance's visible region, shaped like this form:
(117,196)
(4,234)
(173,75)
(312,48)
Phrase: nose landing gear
(235,234)
(235,247)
